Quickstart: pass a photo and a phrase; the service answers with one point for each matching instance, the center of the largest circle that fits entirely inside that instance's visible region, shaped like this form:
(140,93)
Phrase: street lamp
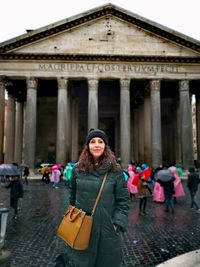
(4,254)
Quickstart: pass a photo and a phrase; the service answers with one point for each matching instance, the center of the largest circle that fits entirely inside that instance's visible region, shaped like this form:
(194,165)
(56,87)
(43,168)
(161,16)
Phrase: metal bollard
(4,254)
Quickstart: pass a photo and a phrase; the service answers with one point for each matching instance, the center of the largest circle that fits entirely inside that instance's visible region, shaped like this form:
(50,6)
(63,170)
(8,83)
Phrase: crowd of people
(56,173)
(137,181)
(83,180)
(163,184)
(142,182)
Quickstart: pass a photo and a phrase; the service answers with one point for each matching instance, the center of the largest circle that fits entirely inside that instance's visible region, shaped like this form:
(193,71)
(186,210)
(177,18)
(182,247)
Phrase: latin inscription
(103,68)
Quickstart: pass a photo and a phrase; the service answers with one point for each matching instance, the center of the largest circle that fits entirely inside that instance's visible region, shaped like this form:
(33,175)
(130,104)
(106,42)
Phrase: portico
(143,101)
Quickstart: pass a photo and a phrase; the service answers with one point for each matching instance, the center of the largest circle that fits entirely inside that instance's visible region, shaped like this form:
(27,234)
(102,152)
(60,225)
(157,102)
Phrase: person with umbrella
(166,179)
(55,176)
(16,193)
(142,192)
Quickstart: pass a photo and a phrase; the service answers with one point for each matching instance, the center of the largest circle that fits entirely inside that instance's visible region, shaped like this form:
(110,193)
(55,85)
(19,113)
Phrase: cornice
(101,58)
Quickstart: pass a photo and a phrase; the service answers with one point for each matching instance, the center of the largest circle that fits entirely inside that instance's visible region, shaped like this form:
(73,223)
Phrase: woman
(111,214)
(142,192)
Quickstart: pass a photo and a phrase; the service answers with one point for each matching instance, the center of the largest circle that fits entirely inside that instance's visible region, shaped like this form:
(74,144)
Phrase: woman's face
(96,147)
(142,177)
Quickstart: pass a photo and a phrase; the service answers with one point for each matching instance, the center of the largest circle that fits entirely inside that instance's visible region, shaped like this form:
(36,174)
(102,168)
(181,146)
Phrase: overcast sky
(18,15)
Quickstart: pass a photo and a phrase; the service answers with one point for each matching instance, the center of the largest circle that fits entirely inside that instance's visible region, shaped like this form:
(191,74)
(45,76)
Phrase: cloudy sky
(19,15)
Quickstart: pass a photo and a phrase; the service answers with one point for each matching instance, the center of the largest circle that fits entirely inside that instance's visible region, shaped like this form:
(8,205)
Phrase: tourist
(16,193)
(143,189)
(111,214)
(192,184)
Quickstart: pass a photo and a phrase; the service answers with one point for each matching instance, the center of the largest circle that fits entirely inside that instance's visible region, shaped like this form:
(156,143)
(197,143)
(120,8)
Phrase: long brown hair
(86,161)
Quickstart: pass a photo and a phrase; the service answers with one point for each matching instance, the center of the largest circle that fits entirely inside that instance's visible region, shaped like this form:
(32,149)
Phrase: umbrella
(135,179)
(147,174)
(164,176)
(56,167)
(9,170)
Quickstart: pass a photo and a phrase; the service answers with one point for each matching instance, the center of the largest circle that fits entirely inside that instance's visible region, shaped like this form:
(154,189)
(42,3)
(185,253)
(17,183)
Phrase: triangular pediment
(107,35)
(107,30)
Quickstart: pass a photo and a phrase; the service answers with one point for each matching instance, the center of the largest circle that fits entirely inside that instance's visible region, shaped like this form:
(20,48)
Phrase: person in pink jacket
(158,193)
(179,190)
(131,187)
(55,177)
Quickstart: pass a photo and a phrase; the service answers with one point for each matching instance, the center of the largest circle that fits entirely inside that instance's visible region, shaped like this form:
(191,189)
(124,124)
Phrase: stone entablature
(101,70)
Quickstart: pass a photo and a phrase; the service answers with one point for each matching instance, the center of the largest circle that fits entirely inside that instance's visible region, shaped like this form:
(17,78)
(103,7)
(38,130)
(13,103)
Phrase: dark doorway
(108,125)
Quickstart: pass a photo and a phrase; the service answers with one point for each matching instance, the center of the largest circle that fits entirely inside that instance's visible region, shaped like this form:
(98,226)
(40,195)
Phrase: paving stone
(148,241)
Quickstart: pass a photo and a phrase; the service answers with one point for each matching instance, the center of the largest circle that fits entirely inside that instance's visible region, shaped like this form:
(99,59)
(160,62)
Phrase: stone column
(132,153)
(147,130)
(177,133)
(92,103)
(2,114)
(18,132)
(141,132)
(75,130)
(69,123)
(198,126)
(61,146)
(30,123)
(10,130)
(156,123)
(136,134)
(186,124)
(125,121)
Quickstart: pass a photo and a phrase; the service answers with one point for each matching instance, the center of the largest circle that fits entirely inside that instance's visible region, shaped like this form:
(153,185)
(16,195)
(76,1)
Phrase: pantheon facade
(106,68)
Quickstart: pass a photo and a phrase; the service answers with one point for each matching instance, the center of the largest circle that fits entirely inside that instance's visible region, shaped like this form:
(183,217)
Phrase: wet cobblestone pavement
(149,239)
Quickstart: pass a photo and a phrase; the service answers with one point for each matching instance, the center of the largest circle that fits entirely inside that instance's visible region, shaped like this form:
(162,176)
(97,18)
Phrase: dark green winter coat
(105,248)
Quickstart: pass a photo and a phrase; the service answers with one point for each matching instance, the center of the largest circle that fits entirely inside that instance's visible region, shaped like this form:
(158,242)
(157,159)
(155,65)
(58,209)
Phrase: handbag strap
(99,194)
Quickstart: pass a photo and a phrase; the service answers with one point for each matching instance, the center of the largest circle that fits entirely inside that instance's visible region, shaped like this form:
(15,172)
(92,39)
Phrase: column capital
(62,82)
(125,84)
(93,83)
(184,85)
(155,85)
(31,82)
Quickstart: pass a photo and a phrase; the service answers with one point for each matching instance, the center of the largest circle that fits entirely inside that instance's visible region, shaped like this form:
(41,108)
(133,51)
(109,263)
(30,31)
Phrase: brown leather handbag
(75,227)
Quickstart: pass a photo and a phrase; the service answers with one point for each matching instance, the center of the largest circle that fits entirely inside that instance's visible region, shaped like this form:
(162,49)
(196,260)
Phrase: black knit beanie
(96,133)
